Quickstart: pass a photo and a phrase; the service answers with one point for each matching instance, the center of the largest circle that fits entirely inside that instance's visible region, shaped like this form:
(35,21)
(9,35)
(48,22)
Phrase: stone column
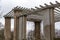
(16,28)
(7,29)
(49,29)
(37,31)
(52,24)
(22,27)
(16,24)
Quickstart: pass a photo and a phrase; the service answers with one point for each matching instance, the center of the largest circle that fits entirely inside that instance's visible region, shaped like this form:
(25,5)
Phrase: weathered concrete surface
(16,28)
(37,31)
(16,25)
(7,28)
(22,27)
(48,23)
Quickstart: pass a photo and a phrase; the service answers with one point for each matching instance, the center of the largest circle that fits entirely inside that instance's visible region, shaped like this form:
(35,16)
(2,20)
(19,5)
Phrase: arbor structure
(49,14)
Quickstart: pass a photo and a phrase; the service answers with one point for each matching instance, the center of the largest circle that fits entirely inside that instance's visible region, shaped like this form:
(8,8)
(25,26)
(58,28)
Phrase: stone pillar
(22,27)
(16,28)
(49,28)
(37,31)
(16,24)
(52,24)
(7,29)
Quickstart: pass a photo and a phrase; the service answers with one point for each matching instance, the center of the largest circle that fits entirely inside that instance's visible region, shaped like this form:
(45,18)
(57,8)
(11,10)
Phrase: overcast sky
(7,5)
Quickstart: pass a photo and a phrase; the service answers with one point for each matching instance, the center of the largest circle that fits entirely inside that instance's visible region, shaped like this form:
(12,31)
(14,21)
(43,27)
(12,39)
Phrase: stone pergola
(49,14)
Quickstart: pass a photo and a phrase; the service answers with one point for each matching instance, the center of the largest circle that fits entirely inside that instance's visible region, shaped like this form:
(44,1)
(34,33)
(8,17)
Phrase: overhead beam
(32,9)
(57,10)
(57,13)
(57,2)
(41,6)
(37,7)
(51,3)
(46,4)
(58,7)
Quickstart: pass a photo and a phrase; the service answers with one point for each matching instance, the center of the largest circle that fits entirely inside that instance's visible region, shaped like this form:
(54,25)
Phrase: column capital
(22,16)
(38,21)
(8,17)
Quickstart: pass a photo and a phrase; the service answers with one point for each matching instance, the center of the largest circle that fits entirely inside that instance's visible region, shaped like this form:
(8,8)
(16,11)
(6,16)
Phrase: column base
(37,39)
(24,39)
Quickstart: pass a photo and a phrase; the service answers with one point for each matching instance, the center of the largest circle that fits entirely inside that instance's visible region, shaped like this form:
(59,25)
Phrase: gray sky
(7,5)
